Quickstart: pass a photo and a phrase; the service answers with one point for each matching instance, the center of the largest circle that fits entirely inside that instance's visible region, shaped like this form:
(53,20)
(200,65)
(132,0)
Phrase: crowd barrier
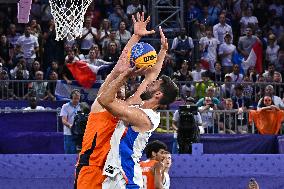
(17,89)
(196,171)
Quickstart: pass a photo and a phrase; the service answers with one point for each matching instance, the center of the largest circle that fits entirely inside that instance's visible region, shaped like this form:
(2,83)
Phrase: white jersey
(126,150)
(166,181)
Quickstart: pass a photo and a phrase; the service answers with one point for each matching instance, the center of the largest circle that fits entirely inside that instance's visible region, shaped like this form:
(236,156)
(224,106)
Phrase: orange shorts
(89,177)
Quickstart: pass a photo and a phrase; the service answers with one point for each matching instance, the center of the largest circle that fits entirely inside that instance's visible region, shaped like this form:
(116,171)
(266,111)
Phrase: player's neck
(149,104)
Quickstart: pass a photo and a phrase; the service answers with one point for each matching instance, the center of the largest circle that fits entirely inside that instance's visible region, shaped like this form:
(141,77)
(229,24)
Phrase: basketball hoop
(69,17)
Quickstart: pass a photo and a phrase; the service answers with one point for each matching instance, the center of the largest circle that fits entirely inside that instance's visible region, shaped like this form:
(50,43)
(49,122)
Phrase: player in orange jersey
(153,168)
(101,124)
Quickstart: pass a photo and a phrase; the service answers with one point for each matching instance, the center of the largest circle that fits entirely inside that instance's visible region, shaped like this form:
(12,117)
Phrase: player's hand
(164,40)
(140,25)
(123,63)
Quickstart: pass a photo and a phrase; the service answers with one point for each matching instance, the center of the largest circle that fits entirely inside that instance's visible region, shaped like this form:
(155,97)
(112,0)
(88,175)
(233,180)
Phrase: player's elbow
(103,100)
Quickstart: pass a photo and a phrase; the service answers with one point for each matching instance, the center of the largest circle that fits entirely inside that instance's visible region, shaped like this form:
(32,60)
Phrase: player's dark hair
(169,90)
(154,146)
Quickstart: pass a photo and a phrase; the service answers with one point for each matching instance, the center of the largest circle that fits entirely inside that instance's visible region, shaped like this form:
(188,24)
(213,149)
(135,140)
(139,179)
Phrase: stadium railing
(17,89)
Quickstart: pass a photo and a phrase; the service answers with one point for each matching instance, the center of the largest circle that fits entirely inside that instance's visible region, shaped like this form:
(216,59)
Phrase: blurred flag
(24,7)
(255,57)
(237,58)
(86,73)
(63,90)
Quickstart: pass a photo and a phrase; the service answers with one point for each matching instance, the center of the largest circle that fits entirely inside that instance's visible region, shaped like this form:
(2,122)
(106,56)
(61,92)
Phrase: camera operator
(207,115)
(188,132)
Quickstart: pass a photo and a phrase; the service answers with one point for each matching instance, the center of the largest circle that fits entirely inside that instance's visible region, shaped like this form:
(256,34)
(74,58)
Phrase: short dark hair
(154,146)
(169,90)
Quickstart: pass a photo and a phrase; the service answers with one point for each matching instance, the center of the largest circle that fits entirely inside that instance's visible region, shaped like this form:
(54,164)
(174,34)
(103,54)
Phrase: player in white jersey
(133,131)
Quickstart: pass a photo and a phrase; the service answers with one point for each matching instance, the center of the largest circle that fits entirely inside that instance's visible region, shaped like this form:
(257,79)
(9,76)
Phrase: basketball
(142,55)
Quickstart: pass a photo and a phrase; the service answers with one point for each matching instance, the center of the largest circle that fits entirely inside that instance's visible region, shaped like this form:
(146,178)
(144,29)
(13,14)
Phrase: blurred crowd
(199,58)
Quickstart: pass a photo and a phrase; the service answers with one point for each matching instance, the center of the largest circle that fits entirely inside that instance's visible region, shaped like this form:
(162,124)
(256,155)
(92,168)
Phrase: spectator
(220,29)
(226,51)
(183,73)
(51,86)
(214,10)
(227,89)
(21,65)
(182,47)
(269,91)
(5,48)
(168,64)
(277,81)
(12,35)
(111,38)
(208,48)
(187,90)
(253,184)
(280,60)
(29,45)
(193,12)
(68,112)
(5,93)
(196,74)
(70,58)
(227,122)
(240,102)
(53,50)
(277,28)
(248,21)
(104,31)
(268,117)
(20,87)
(278,7)
(269,73)
(210,92)
(248,89)
(96,48)
(207,115)
(246,42)
(236,76)
(123,35)
(117,16)
(251,73)
(77,52)
(201,87)
(112,54)
(272,50)
(205,18)
(218,75)
(33,105)
(35,67)
(37,88)
(53,68)
(134,7)
(35,28)
(89,36)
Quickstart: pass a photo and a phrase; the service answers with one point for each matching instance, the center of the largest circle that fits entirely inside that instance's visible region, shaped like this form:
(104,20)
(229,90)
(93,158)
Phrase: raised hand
(140,25)
(164,40)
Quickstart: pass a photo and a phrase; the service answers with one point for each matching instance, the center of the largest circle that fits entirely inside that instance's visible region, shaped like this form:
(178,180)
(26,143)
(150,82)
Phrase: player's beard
(146,95)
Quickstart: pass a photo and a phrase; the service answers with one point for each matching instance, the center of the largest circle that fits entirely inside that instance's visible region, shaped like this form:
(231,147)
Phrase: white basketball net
(68,18)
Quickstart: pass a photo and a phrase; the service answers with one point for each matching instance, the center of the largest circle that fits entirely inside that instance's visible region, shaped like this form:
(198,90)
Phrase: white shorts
(116,182)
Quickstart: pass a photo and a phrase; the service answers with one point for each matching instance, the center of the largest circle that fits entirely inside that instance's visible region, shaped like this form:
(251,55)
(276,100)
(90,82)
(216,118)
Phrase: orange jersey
(96,140)
(267,121)
(148,173)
